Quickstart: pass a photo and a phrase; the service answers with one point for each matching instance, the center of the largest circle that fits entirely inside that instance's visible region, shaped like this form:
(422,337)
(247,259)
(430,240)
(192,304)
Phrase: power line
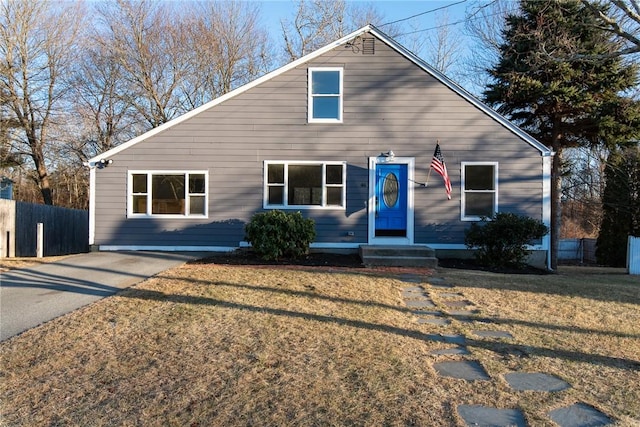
(424,13)
(462,21)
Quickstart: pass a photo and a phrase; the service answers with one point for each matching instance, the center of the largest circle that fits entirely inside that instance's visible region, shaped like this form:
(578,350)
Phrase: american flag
(437,163)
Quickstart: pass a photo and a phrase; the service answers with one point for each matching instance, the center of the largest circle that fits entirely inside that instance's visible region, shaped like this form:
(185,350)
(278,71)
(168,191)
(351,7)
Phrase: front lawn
(207,344)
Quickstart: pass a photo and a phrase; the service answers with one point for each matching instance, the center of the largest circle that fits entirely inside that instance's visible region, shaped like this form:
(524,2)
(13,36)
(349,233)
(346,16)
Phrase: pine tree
(621,206)
(547,82)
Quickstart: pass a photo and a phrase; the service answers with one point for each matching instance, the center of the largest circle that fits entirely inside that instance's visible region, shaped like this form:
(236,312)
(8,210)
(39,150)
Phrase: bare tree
(360,14)
(8,124)
(147,40)
(319,22)
(484,25)
(623,20)
(36,49)
(315,24)
(229,49)
(443,46)
(582,190)
(105,115)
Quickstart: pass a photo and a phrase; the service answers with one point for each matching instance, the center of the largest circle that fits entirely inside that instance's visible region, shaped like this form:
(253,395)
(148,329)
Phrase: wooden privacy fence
(65,231)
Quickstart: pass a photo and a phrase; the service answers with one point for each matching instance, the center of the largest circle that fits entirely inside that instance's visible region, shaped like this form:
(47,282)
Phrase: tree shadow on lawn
(537,325)
(594,286)
(615,288)
(501,348)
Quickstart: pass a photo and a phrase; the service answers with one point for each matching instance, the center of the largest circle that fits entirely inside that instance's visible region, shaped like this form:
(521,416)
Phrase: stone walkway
(417,296)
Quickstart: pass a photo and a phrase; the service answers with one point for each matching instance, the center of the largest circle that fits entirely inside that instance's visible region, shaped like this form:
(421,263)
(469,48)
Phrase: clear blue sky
(275,10)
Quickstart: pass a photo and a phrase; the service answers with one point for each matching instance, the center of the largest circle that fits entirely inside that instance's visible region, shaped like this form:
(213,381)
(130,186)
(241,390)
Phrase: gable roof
(367,29)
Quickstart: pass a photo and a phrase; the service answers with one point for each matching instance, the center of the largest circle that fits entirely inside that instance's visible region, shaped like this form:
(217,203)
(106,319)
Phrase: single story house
(346,135)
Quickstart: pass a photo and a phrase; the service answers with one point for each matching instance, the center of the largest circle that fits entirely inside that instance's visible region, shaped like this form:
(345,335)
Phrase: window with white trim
(479,190)
(167,193)
(308,185)
(325,95)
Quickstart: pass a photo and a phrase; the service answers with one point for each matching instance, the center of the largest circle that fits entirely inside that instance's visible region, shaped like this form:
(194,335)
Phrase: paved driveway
(34,295)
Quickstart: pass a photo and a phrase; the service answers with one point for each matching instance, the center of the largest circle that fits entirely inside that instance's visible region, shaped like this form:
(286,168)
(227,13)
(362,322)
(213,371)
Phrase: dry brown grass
(220,345)
(7,264)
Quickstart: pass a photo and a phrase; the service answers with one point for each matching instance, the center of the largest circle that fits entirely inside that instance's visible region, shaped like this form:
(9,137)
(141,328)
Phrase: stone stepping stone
(427,313)
(462,313)
(449,351)
(493,334)
(426,303)
(413,289)
(421,293)
(454,339)
(464,370)
(458,304)
(415,295)
(536,381)
(450,295)
(579,415)
(484,416)
(441,285)
(435,321)
(410,278)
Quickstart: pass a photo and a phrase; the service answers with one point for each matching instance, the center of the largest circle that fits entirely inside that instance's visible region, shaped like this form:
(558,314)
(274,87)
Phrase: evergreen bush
(277,234)
(502,239)
(620,206)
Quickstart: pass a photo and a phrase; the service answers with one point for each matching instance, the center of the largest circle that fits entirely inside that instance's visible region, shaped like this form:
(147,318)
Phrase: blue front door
(391,200)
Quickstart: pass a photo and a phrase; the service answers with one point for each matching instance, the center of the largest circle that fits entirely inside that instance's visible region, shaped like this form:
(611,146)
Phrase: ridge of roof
(366,29)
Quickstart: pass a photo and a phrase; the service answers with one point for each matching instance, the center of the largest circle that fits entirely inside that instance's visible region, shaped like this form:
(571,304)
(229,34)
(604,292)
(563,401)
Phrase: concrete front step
(398,256)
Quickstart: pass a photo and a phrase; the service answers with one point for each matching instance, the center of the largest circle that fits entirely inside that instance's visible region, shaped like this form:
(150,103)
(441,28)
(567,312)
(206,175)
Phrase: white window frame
(311,96)
(463,191)
(285,197)
(149,193)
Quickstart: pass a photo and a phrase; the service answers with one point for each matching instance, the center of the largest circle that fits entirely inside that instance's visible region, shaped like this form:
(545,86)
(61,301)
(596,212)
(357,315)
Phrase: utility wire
(462,21)
(471,17)
(424,13)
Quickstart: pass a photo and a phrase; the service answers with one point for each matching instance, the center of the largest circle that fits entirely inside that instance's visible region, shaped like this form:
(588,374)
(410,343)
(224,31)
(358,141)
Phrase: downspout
(546,202)
(92,204)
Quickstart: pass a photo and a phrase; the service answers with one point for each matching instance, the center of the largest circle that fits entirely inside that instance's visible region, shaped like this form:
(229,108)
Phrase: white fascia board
(92,205)
(92,162)
(546,204)
(544,151)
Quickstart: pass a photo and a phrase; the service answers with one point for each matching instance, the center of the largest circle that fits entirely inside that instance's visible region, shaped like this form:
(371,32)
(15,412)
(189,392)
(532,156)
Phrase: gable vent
(369,46)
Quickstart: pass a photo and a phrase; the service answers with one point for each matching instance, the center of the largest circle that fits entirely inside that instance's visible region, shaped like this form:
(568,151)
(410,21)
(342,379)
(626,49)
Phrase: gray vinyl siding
(389,103)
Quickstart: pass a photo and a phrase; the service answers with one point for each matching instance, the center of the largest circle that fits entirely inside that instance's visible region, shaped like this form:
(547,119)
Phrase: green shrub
(502,240)
(277,234)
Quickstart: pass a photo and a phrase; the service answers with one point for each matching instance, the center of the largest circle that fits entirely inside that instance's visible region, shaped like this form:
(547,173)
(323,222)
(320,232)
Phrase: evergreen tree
(621,206)
(547,83)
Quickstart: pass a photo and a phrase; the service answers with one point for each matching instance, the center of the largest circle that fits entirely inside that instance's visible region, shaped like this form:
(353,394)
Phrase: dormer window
(325,95)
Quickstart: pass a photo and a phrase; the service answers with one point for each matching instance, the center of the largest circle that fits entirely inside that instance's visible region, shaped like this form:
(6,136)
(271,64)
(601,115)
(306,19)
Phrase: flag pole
(426,184)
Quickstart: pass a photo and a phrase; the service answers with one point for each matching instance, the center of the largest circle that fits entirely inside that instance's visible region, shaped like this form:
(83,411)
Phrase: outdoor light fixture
(388,156)
(103,163)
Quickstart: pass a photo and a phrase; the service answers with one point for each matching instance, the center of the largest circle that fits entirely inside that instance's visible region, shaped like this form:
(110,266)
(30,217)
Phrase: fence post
(633,255)
(40,240)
